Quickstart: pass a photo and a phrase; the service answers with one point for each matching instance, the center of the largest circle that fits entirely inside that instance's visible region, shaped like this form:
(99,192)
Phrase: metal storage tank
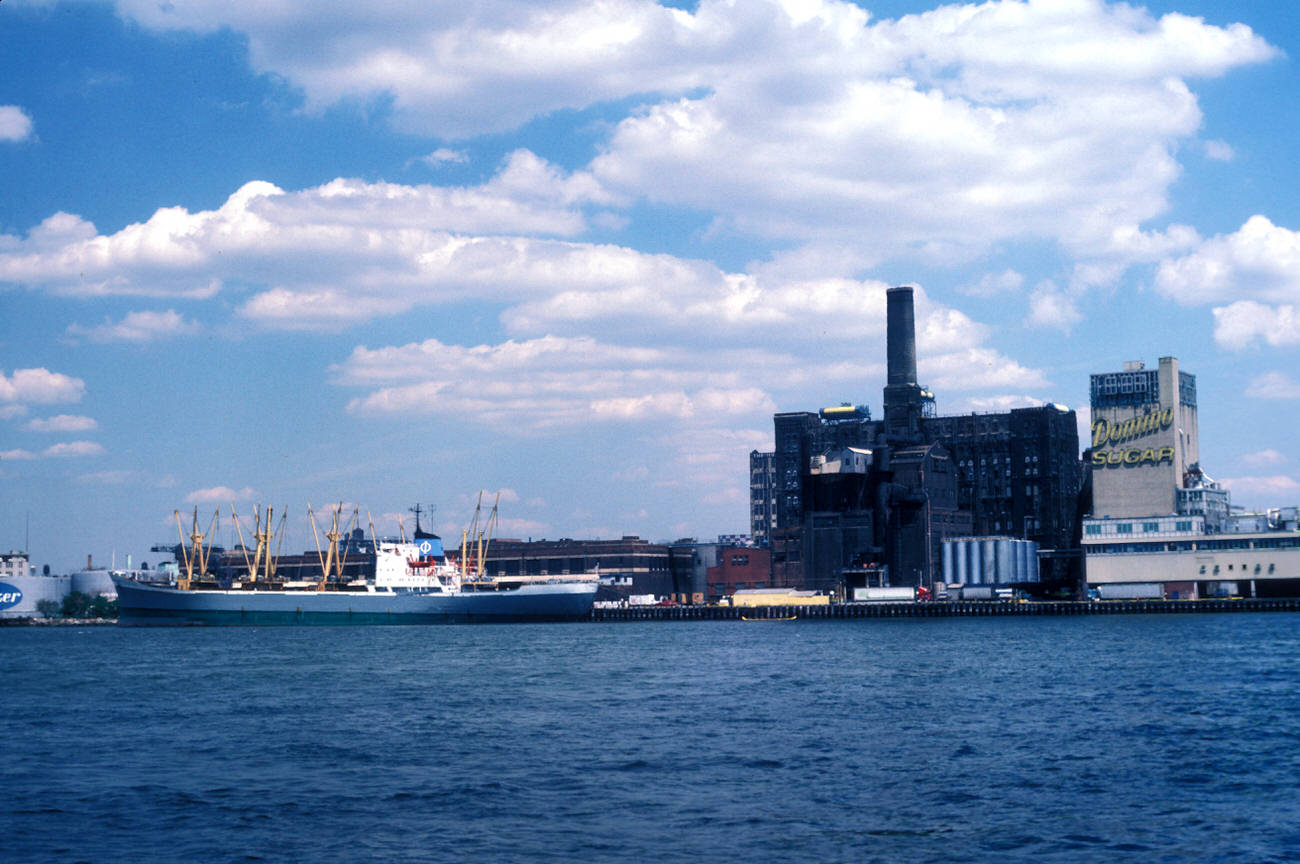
(20,594)
(988,561)
(1006,562)
(94,582)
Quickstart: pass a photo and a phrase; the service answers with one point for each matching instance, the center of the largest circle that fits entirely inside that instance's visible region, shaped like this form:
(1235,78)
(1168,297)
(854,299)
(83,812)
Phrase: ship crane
(333,558)
(474,540)
(196,557)
(264,561)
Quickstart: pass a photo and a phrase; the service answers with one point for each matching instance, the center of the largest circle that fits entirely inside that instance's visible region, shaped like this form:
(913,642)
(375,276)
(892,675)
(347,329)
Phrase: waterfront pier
(957,609)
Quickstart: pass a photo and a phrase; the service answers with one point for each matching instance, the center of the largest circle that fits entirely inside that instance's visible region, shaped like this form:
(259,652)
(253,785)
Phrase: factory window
(1183,526)
(1092,529)
(1150,526)
(1124,528)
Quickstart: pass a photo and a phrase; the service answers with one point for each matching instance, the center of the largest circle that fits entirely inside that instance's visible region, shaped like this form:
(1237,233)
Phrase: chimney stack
(904,399)
(900,336)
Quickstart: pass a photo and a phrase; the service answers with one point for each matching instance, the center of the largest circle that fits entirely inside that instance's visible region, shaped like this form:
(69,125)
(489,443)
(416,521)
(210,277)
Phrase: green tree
(48,608)
(76,605)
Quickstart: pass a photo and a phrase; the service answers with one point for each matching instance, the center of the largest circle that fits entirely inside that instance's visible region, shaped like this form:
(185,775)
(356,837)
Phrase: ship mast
(197,555)
(485,537)
(474,540)
(333,558)
(263,564)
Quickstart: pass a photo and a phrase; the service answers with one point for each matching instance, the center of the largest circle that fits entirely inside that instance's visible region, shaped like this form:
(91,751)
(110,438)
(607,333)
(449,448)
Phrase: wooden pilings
(941,609)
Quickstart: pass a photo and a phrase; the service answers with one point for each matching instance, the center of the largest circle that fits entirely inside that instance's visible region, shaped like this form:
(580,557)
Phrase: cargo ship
(391,582)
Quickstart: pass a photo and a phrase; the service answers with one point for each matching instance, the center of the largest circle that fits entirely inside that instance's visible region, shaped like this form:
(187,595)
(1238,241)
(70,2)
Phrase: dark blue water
(1139,738)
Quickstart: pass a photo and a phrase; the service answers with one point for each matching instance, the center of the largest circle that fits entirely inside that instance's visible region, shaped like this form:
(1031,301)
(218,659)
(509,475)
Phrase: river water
(1096,738)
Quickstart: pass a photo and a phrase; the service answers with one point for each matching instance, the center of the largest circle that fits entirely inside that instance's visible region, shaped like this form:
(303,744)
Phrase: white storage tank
(19,595)
(96,583)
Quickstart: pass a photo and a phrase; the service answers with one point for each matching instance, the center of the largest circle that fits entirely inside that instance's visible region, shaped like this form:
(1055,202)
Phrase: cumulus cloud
(1246,322)
(1052,308)
(546,382)
(15,125)
(138,327)
(74,448)
(1268,489)
(937,134)
(362,236)
(63,423)
(1274,385)
(220,495)
(39,387)
(1260,261)
(995,284)
(443,155)
(1219,151)
(69,449)
(1263,457)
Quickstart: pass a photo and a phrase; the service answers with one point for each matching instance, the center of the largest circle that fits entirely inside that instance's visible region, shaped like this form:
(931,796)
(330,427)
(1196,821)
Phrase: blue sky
(580,252)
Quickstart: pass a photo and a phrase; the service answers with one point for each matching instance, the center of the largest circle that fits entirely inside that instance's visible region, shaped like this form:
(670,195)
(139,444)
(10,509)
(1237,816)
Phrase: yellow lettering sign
(1118,431)
(1132,456)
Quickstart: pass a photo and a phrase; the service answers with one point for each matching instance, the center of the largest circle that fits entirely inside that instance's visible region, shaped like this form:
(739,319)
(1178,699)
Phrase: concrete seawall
(959,609)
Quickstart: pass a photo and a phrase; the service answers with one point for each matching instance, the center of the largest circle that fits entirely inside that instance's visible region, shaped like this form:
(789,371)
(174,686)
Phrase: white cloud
(15,124)
(998,404)
(444,155)
(40,387)
(73,449)
(1274,385)
(220,495)
(1219,151)
(379,238)
(1052,308)
(138,327)
(63,423)
(1263,457)
(1260,261)
(109,478)
(1269,489)
(1241,324)
(937,134)
(995,284)
(546,382)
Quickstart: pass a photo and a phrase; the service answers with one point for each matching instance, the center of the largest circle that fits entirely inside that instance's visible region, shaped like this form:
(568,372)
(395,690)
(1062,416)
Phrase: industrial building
(1158,525)
(850,491)
(627,566)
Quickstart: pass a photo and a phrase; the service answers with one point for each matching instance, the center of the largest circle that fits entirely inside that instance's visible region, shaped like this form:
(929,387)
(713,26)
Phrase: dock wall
(959,609)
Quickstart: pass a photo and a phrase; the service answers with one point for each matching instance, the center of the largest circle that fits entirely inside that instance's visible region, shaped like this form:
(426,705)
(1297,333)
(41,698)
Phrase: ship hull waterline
(142,604)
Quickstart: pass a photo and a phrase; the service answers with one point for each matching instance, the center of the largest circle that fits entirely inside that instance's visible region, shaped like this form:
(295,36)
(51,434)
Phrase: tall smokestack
(905,401)
(900,336)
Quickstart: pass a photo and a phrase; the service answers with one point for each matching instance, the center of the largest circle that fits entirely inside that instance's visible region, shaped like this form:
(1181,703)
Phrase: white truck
(898,594)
